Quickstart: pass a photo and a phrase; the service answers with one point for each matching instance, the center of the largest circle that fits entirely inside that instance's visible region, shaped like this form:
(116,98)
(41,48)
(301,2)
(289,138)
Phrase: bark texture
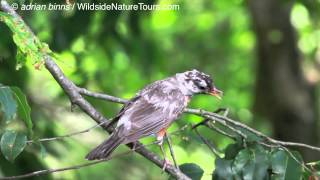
(282,93)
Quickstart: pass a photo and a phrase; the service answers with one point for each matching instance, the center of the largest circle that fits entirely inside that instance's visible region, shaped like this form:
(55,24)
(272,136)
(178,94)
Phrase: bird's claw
(134,146)
(159,142)
(166,162)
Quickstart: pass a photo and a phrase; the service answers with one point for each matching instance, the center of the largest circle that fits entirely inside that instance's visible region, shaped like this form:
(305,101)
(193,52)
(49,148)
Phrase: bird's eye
(202,87)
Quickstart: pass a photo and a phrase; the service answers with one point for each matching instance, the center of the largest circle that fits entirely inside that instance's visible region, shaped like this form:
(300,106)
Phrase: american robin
(153,109)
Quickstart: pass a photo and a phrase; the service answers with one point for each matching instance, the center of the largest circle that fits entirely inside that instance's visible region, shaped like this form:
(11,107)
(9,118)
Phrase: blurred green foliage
(255,162)
(119,52)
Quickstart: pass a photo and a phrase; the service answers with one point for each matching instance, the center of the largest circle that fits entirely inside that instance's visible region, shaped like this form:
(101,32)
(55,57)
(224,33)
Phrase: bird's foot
(134,146)
(166,162)
(159,142)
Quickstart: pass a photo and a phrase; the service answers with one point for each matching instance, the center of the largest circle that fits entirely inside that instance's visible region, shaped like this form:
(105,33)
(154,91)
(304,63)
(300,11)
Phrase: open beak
(216,92)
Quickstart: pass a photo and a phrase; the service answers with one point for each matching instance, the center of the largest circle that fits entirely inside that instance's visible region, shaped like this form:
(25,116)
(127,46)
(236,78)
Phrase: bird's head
(196,82)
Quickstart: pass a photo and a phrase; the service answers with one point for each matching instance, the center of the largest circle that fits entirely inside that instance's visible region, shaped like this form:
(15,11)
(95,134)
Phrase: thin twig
(212,126)
(47,171)
(207,142)
(171,151)
(205,122)
(285,143)
(226,112)
(297,160)
(241,134)
(223,123)
(224,120)
(67,135)
(101,96)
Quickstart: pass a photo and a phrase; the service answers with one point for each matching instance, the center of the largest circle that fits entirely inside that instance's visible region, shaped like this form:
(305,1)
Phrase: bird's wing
(131,101)
(126,106)
(151,113)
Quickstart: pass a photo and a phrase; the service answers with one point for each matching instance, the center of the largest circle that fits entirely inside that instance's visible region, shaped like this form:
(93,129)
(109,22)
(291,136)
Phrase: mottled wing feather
(127,106)
(122,110)
(146,120)
(135,98)
(153,111)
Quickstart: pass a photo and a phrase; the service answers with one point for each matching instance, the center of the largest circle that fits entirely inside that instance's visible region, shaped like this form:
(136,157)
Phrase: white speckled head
(194,82)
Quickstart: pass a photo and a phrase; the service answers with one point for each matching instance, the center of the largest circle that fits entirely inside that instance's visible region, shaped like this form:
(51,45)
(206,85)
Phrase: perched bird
(153,109)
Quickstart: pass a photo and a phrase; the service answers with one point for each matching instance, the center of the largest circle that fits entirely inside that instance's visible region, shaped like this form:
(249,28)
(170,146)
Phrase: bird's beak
(216,92)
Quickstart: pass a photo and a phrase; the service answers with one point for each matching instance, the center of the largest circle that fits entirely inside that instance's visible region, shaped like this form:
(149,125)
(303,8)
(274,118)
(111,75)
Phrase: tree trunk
(283,95)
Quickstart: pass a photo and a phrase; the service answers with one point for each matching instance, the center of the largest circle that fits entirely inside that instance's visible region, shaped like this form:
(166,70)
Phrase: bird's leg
(219,110)
(165,160)
(160,136)
(134,145)
(224,110)
(171,151)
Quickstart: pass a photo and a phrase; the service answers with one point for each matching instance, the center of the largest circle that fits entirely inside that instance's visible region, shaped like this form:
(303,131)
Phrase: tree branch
(47,171)
(107,97)
(209,115)
(227,122)
(214,117)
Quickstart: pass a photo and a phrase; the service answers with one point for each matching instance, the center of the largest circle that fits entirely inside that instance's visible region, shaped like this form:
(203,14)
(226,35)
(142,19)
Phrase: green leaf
(43,151)
(7,103)
(232,150)
(241,160)
(192,170)
(24,109)
(258,164)
(249,163)
(12,144)
(224,170)
(284,167)
(28,44)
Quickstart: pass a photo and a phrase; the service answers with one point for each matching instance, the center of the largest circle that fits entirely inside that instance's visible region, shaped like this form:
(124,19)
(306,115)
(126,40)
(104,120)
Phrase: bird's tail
(106,148)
